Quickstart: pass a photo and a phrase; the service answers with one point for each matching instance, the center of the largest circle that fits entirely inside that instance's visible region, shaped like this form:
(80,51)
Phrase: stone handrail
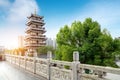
(61,62)
(61,70)
(100,68)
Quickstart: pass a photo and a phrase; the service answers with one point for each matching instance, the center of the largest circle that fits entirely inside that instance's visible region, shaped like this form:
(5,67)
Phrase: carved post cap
(75,56)
(49,54)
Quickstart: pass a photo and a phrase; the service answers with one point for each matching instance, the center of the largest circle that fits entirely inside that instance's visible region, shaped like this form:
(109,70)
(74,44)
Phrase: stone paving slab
(9,72)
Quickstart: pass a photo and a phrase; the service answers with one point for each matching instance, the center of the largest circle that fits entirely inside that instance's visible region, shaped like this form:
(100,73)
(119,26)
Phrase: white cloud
(4,3)
(20,10)
(14,23)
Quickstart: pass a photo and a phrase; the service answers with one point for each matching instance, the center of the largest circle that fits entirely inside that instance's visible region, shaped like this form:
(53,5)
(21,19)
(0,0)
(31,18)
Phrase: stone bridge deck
(10,72)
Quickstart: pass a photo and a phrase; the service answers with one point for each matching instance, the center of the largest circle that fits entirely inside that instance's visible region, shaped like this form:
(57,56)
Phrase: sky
(57,13)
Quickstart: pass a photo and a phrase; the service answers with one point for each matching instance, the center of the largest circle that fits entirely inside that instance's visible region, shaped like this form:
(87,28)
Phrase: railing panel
(96,72)
(60,74)
(22,62)
(30,66)
(17,61)
(90,77)
(100,68)
(41,69)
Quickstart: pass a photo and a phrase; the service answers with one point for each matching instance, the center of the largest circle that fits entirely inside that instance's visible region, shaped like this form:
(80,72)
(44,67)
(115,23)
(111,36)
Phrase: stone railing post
(15,59)
(25,60)
(11,59)
(49,58)
(19,60)
(34,61)
(75,65)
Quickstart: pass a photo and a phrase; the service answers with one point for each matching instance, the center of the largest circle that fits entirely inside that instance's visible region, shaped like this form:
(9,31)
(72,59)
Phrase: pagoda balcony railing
(30,20)
(31,28)
(35,36)
(35,44)
(36,30)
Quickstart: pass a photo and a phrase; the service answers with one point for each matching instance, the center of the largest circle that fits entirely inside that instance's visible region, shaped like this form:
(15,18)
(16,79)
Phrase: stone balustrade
(61,70)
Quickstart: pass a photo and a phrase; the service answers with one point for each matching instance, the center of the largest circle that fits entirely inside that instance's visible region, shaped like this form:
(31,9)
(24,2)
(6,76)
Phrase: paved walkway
(9,72)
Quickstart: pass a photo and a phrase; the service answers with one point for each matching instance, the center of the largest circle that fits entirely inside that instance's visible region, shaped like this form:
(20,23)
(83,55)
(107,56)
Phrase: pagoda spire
(35,11)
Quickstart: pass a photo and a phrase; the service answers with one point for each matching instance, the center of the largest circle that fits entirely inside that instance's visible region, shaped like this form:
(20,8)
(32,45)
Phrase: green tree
(95,46)
(45,49)
(105,41)
(116,46)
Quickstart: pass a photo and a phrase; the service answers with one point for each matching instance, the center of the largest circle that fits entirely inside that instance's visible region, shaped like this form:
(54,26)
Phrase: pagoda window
(36,26)
(37,34)
(33,18)
(37,41)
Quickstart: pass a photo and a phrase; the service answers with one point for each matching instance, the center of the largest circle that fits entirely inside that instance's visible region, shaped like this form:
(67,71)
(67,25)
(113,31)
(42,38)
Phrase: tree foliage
(45,49)
(95,46)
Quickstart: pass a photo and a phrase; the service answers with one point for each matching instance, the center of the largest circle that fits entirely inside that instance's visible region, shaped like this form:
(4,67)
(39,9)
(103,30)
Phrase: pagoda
(34,33)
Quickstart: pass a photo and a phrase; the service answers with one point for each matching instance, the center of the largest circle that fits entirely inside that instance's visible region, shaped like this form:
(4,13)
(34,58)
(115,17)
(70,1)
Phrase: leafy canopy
(45,49)
(95,46)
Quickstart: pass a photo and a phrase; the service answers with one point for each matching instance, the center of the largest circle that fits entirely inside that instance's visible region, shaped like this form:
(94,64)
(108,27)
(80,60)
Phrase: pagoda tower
(34,33)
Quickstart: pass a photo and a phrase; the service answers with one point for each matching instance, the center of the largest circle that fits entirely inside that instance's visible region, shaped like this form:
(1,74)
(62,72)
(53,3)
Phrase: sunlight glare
(11,43)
